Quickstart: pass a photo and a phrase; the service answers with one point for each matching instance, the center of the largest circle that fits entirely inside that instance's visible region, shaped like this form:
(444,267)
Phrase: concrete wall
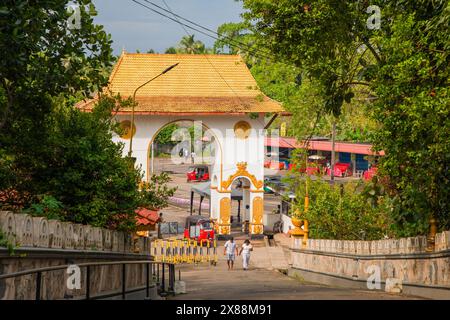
(404,261)
(104,279)
(25,231)
(43,243)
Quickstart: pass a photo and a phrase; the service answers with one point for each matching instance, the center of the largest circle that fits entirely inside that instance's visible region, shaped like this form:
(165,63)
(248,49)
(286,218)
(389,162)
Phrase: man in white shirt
(230,250)
(245,252)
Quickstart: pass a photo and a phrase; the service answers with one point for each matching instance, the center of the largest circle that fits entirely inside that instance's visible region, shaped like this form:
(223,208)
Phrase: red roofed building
(359,155)
(146,221)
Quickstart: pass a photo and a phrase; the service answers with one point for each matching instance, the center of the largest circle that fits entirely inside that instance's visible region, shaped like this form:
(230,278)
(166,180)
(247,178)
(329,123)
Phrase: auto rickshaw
(199,228)
(198,173)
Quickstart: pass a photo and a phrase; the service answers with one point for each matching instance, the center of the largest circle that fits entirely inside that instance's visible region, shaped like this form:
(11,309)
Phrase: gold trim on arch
(242,172)
(223,191)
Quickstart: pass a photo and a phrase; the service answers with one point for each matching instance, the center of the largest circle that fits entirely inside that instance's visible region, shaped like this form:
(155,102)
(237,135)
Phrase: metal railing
(152,268)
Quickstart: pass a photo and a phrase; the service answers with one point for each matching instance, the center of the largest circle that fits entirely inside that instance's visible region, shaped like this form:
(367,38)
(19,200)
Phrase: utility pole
(333,150)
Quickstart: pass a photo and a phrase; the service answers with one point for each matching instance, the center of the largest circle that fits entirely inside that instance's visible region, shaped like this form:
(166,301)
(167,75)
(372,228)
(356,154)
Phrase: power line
(216,36)
(231,40)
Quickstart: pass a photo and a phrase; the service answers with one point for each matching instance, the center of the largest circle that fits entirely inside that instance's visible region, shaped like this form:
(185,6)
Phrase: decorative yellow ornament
(242,130)
(125,126)
(283,130)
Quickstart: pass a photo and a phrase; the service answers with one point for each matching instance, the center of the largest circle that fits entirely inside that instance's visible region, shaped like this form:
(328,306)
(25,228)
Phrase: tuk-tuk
(199,228)
(198,173)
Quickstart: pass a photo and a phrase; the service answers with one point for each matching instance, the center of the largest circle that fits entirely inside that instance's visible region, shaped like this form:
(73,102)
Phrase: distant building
(359,155)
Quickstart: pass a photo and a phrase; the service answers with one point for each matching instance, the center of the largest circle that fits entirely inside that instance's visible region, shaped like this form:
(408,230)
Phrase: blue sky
(135,28)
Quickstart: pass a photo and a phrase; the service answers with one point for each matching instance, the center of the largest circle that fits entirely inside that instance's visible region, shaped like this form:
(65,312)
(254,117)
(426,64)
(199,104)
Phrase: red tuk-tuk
(199,228)
(198,173)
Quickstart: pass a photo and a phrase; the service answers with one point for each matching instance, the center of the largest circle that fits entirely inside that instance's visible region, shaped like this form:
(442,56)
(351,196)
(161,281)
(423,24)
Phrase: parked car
(198,173)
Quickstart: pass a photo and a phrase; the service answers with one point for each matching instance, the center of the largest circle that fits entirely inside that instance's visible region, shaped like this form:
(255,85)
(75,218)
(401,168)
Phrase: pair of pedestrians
(231,251)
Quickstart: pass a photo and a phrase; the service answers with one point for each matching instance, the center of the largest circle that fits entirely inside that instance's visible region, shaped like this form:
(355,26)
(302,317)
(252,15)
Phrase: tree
(299,93)
(40,53)
(165,135)
(412,86)
(43,61)
(350,211)
(231,37)
(171,50)
(56,160)
(189,45)
(403,69)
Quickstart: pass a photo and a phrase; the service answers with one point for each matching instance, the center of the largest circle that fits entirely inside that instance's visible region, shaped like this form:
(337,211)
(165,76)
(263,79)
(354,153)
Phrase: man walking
(230,250)
(245,252)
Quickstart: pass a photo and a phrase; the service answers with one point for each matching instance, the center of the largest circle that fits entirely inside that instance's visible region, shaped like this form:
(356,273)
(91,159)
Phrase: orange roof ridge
(116,67)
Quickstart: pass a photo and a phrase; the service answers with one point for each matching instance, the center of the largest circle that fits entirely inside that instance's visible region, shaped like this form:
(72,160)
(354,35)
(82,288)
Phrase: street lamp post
(160,220)
(130,152)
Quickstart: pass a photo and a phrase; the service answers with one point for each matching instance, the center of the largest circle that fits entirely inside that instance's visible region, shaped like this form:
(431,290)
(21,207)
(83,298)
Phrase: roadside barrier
(179,251)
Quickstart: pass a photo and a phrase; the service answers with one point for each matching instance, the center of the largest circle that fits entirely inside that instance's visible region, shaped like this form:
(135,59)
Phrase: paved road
(217,282)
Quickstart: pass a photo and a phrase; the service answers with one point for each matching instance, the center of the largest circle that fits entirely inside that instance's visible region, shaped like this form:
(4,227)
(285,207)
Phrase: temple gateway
(217,91)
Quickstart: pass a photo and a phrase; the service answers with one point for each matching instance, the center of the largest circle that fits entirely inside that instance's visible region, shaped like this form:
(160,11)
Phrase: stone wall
(41,243)
(25,231)
(404,261)
(104,279)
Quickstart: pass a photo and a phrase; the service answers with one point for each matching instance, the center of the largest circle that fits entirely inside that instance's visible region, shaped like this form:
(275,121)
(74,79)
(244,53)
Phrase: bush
(350,211)
(343,212)
(77,173)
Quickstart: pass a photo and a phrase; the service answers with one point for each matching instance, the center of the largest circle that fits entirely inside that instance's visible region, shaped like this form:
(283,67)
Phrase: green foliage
(57,161)
(171,50)
(165,135)
(191,46)
(351,211)
(399,74)
(188,45)
(47,207)
(341,212)
(232,35)
(300,94)
(81,174)
(156,193)
(41,55)
(413,89)
(4,242)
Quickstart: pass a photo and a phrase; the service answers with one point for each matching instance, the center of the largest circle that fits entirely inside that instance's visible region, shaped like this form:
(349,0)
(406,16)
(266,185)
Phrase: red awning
(145,217)
(292,143)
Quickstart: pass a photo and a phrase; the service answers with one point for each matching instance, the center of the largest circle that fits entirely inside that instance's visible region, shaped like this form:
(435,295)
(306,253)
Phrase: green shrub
(343,212)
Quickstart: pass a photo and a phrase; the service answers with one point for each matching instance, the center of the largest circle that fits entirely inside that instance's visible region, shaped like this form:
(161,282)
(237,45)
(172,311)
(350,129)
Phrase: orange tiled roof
(146,217)
(199,84)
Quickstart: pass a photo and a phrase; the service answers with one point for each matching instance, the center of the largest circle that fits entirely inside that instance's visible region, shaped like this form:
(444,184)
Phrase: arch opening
(180,144)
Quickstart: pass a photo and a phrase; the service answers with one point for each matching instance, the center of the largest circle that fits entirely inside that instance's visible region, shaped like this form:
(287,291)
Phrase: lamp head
(170,68)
